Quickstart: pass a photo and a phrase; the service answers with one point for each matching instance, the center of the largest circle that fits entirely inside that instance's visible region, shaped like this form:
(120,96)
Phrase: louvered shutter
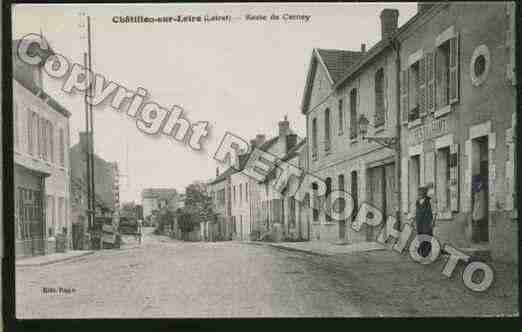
(510,42)
(430,82)
(422,87)
(404,95)
(454,78)
(454,177)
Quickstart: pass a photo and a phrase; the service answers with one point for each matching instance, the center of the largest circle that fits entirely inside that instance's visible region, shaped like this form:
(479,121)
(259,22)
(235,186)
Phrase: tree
(197,208)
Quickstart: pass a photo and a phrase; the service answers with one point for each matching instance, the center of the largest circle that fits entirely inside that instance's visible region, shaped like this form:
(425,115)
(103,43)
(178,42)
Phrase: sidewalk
(52,258)
(324,248)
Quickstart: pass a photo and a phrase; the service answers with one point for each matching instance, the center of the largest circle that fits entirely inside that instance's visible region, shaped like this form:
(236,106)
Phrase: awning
(33,164)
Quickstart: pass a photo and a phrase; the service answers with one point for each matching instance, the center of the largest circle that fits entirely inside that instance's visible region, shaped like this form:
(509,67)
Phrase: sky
(240,76)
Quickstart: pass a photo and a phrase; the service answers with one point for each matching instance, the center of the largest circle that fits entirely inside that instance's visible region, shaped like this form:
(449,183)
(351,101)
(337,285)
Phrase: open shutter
(422,87)
(510,42)
(454,70)
(430,82)
(404,95)
(454,177)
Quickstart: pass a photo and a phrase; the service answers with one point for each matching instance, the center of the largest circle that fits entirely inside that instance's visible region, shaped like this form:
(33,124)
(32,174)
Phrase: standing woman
(424,219)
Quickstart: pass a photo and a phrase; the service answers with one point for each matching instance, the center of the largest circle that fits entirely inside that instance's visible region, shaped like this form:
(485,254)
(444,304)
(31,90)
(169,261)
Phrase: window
(292,211)
(414,177)
(447,59)
(315,208)
(414,99)
(30,133)
(240,192)
(51,215)
(234,194)
(341,188)
(354,191)
(442,74)
(328,183)
(314,138)
(379,97)
(51,142)
(353,113)
(62,147)
(246,192)
(341,117)
(327,129)
(443,179)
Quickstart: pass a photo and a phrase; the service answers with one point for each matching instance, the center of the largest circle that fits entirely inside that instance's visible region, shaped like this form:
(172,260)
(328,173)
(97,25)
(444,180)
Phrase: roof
(23,74)
(231,170)
(337,62)
(352,69)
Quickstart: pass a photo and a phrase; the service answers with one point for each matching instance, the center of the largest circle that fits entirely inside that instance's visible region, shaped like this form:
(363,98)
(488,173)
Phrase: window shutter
(510,42)
(454,70)
(422,87)
(454,177)
(430,82)
(404,95)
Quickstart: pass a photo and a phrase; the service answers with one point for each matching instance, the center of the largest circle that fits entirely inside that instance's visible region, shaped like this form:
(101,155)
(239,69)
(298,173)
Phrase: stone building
(219,189)
(295,224)
(41,164)
(341,88)
(458,117)
(155,199)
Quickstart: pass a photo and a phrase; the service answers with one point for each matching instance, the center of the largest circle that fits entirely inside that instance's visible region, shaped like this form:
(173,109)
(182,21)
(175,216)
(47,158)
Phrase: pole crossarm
(387,142)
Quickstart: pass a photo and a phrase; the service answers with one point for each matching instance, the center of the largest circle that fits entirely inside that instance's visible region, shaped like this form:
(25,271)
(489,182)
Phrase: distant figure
(424,219)
(140,230)
(479,204)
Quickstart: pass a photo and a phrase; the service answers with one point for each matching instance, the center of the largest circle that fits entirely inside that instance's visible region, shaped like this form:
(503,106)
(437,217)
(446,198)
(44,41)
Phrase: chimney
(423,6)
(291,141)
(284,127)
(363,48)
(389,22)
(260,139)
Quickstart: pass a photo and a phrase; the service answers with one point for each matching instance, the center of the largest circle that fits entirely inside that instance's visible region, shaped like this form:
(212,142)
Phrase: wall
(347,154)
(486,109)
(57,184)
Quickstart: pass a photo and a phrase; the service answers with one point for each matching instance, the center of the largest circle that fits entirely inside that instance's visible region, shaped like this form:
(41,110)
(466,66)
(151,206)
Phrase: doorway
(381,189)
(480,190)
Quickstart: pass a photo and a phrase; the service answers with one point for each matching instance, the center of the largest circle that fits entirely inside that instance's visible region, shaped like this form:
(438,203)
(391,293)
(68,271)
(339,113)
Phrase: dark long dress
(424,223)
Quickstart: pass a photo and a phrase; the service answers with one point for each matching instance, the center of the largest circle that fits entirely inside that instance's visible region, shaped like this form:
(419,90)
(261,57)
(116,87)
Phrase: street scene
(360,164)
(167,278)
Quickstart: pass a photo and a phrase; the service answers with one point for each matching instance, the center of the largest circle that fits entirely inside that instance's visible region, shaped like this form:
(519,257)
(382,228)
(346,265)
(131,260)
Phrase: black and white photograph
(259,160)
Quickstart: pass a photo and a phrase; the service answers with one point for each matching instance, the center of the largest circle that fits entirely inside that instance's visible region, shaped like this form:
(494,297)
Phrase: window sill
(415,123)
(330,223)
(353,140)
(442,111)
(340,133)
(316,223)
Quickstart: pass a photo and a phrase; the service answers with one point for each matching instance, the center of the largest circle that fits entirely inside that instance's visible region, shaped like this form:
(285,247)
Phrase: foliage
(198,203)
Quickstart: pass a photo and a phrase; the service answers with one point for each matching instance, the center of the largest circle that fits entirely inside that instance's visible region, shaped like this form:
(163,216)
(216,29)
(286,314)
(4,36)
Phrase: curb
(280,247)
(55,261)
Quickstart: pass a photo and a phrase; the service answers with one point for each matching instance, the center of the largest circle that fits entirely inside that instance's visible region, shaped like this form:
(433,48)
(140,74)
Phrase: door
(376,194)
(340,205)
(480,191)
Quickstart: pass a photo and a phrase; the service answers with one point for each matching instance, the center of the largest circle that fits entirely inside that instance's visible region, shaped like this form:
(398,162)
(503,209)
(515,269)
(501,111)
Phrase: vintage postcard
(264,160)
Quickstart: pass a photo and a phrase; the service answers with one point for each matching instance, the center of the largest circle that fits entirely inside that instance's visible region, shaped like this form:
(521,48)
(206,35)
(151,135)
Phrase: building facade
(342,87)
(458,103)
(41,165)
(156,199)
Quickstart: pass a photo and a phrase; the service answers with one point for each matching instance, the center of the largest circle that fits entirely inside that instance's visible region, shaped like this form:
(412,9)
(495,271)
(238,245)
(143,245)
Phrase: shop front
(30,228)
